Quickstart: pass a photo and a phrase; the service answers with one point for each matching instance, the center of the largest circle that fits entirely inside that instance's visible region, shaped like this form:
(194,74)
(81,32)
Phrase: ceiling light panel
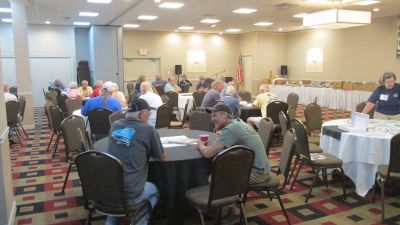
(366,2)
(6,20)
(233,30)
(89,14)
(147,17)
(6,10)
(244,10)
(47,22)
(128,25)
(263,24)
(81,23)
(210,21)
(299,15)
(171,5)
(185,28)
(100,1)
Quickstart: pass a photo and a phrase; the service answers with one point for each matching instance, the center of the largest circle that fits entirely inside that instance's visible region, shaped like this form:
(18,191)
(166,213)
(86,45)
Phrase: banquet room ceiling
(120,12)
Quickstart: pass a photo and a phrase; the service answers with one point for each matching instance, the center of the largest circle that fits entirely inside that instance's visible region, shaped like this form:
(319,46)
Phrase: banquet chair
(224,189)
(173,100)
(12,118)
(388,174)
(163,118)
(274,183)
(102,180)
(21,113)
(179,124)
(200,120)
(313,116)
(73,129)
(283,122)
(53,96)
(273,110)
(360,107)
(160,89)
(292,100)
(117,115)
(99,123)
(61,103)
(73,104)
(185,88)
(46,111)
(266,132)
(198,97)
(56,117)
(245,96)
(317,161)
(14,90)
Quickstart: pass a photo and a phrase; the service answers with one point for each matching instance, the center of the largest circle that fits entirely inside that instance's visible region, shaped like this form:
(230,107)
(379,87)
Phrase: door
(133,68)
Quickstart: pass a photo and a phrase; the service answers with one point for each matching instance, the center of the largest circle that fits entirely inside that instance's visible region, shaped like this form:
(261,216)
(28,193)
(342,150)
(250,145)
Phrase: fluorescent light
(185,28)
(280,29)
(244,10)
(147,17)
(131,25)
(90,14)
(100,1)
(81,23)
(157,1)
(366,2)
(171,5)
(300,15)
(233,30)
(6,20)
(210,21)
(263,24)
(47,22)
(213,25)
(7,10)
(337,18)
(376,9)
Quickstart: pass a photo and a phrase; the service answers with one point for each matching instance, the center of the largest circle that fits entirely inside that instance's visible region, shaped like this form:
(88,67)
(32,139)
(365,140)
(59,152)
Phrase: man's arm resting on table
(368,107)
(209,151)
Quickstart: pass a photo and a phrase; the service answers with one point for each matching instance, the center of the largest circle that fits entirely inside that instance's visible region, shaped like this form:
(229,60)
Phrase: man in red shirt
(98,89)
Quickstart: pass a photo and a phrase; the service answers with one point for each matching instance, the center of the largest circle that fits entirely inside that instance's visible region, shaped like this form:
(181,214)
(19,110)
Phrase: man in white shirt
(262,100)
(7,95)
(154,100)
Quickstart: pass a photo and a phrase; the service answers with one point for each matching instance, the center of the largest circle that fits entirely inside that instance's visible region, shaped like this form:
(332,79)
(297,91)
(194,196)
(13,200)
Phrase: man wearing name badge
(133,141)
(386,98)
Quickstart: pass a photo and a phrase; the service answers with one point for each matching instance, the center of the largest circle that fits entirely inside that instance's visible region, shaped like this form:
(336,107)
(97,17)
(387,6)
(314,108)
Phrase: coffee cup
(203,137)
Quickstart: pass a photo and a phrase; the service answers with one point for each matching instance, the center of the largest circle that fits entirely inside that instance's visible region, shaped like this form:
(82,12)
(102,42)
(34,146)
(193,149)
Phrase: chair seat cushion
(325,160)
(383,170)
(314,148)
(314,139)
(199,196)
(117,210)
(273,182)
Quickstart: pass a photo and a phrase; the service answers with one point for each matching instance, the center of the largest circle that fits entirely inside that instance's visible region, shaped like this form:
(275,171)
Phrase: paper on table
(175,141)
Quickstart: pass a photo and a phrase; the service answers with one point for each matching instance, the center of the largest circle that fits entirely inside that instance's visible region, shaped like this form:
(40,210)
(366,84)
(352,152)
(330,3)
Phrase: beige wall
(357,54)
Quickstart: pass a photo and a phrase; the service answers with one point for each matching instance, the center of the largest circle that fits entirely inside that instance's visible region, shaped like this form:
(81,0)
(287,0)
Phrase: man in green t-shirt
(236,132)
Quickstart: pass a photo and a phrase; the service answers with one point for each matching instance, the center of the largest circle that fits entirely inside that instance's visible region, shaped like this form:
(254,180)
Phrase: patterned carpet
(38,180)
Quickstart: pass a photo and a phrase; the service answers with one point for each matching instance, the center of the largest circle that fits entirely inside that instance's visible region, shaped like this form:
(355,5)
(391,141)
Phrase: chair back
(291,113)
(53,96)
(22,105)
(61,103)
(288,148)
(14,90)
(120,114)
(230,173)
(292,100)
(102,180)
(73,104)
(185,88)
(173,98)
(274,108)
(245,96)
(99,123)
(302,138)
(360,107)
(163,118)
(12,108)
(72,128)
(46,111)
(313,116)
(56,117)
(130,87)
(266,132)
(200,120)
(198,97)
(394,161)
(284,122)
(160,89)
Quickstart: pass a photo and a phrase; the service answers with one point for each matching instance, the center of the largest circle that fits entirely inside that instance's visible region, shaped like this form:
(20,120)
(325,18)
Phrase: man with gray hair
(262,100)
(203,85)
(7,95)
(105,100)
(154,100)
(172,85)
(213,95)
(133,142)
(159,81)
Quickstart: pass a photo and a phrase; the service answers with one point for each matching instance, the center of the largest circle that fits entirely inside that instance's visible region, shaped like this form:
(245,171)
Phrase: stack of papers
(176,141)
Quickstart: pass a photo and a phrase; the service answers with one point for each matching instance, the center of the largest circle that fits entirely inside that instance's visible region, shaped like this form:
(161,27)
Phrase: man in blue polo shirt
(103,101)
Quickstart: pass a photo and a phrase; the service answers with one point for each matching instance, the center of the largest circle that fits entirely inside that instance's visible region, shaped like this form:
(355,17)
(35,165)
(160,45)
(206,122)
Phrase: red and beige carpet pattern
(38,179)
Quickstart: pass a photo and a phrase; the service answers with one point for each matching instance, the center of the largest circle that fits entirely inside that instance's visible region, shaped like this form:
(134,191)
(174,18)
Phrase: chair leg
(18,135)
(294,167)
(219,215)
(282,206)
(23,129)
(373,190)
(383,200)
(51,139)
(201,215)
(297,174)
(269,195)
(66,178)
(242,213)
(343,185)
(325,177)
(56,145)
(312,185)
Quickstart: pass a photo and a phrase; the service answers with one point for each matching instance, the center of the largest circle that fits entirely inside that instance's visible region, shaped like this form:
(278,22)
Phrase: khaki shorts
(257,177)
(381,116)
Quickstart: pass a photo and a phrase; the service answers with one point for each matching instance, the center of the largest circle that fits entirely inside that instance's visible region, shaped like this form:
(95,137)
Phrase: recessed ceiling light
(5,10)
(280,29)
(171,5)
(90,14)
(220,33)
(147,17)
(185,28)
(100,1)
(210,21)
(376,9)
(299,15)
(366,2)
(47,22)
(6,20)
(213,25)
(329,1)
(157,1)
(244,10)
(263,24)
(128,25)
(81,23)
(233,30)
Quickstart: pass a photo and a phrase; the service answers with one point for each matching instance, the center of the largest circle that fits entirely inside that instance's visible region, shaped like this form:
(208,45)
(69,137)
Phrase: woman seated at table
(386,98)
(119,95)
(184,81)
(73,91)
(105,100)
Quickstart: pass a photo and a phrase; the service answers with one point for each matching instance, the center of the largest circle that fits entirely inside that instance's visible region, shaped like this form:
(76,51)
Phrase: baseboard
(12,214)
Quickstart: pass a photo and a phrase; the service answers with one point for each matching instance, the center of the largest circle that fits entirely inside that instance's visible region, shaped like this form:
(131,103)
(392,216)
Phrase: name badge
(384,97)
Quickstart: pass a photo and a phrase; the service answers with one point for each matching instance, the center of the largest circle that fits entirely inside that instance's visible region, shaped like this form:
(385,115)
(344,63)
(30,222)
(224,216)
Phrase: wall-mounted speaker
(284,70)
(178,69)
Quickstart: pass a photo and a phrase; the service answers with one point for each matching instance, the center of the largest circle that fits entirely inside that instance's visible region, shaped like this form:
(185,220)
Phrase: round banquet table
(249,112)
(184,168)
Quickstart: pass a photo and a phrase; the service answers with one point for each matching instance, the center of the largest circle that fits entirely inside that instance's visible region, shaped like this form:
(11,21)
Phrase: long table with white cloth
(327,97)
(361,152)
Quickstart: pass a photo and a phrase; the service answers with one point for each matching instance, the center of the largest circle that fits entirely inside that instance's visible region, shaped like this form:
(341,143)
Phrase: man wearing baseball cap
(132,140)
(103,101)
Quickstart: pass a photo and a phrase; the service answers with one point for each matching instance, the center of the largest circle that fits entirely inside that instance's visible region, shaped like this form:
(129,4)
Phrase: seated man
(213,95)
(172,85)
(97,90)
(236,132)
(230,100)
(85,90)
(57,84)
(143,143)
(7,95)
(159,81)
(262,100)
(103,101)
(203,85)
(153,99)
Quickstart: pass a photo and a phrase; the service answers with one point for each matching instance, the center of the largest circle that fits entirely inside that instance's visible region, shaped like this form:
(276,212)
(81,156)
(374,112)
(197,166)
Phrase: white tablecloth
(327,97)
(361,152)
(183,97)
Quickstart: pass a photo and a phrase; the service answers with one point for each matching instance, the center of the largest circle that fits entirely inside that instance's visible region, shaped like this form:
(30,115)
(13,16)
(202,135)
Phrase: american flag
(239,72)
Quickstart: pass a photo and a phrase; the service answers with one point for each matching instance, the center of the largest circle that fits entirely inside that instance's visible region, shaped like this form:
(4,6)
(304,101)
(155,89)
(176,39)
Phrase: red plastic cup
(203,137)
